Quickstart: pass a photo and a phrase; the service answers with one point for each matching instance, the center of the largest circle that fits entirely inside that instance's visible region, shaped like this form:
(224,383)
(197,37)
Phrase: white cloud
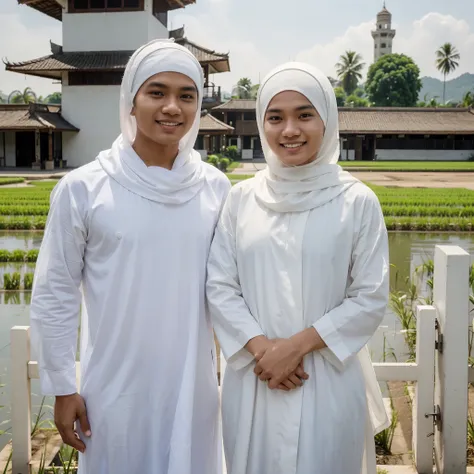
(325,56)
(246,58)
(426,35)
(19,43)
(419,40)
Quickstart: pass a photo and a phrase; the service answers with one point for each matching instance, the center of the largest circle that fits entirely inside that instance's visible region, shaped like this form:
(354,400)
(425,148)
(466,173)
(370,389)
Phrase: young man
(133,228)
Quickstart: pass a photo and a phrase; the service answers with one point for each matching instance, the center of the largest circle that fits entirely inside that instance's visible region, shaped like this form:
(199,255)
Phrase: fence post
(423,402)
(20,399)
(451,299)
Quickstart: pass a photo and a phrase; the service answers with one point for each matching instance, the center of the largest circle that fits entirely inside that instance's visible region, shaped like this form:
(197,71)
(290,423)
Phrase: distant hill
(455,88)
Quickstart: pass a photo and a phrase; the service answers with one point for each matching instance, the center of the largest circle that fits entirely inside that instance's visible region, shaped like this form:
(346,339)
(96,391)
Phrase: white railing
(440,374)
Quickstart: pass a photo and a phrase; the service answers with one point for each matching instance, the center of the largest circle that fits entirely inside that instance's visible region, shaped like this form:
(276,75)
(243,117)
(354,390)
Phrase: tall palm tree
(447,60)
(243,89)
(349,70)
(25,97)
(468,99)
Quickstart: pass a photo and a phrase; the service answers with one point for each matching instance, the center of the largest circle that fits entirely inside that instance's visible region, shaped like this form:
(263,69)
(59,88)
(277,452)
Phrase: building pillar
(49,165)
(36,165)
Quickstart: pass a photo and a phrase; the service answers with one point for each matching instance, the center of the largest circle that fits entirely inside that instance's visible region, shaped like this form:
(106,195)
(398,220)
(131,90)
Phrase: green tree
(447,60)
(25,97)
(349,70)
(356,101)
(393,81)
(54,98)
(468,99)
(340,96)
(244,89)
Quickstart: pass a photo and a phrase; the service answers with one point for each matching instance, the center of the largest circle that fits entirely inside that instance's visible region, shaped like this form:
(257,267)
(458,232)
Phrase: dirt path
(417,179)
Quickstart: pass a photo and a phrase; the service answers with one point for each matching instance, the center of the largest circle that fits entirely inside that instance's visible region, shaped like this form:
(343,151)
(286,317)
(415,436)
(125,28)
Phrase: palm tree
(25,97)
(468,99)
(447,58)
(349,70)
(243,89)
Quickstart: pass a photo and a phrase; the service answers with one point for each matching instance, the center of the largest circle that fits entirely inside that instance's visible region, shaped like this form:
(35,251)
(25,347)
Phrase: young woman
(298,277)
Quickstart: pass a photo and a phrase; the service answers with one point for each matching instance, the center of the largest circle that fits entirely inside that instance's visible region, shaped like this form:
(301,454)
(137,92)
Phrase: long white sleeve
(347,328)
(56,297)
(233,323)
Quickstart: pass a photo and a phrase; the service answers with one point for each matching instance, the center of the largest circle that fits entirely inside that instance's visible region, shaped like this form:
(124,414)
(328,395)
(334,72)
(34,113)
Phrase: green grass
(4,181)
(410,165)
(239,177)
(234,165)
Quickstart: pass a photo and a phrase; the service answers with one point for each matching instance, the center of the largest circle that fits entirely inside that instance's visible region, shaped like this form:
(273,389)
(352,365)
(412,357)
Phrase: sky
(260,34)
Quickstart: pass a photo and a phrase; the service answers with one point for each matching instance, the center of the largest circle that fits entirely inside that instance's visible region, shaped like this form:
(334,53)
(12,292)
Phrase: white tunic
(148,375)
(336,263)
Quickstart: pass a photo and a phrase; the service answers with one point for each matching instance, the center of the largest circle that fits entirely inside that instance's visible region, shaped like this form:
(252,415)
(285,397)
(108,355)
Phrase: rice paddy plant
(11,281)
(22,223)
(19,255)
(24,210)
(28,281)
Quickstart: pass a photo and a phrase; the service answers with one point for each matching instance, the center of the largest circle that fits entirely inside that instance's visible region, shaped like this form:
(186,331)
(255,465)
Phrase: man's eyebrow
(164,86)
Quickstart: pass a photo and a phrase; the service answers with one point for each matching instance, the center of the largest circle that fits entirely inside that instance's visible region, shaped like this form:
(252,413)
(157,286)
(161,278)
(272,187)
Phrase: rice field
(26,208)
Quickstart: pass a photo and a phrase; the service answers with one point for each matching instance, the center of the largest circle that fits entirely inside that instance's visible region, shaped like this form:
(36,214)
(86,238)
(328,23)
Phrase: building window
(250,116)
(384,35)
(82,6)
(383,45)
(93,78)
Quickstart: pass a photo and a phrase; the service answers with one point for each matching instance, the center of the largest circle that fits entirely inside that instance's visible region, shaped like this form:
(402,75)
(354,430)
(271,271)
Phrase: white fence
(440,374)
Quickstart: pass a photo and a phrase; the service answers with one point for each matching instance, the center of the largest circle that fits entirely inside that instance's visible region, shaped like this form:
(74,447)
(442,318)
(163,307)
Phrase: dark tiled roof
(51,8)
(406,120)
(237,104)
(53,65)
(211,124)
(54,9)
(33,117)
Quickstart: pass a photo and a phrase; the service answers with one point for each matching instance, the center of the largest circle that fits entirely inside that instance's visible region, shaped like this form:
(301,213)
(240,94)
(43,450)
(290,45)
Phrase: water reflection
(15,297)
(21,239)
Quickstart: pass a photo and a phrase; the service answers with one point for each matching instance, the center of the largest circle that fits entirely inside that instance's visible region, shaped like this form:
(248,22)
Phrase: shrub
(232,152)
(223,164)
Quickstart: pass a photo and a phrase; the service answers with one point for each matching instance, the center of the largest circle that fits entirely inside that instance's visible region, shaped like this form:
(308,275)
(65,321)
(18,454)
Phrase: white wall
(419,155)
(112,31)
(10,149)
(156,29)
(95,111)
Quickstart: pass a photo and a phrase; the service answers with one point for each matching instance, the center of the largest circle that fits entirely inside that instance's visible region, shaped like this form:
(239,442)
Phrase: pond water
(407,251)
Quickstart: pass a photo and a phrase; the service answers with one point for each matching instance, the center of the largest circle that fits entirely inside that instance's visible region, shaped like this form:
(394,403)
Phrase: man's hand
(278,362)
(67,410)
(295,379)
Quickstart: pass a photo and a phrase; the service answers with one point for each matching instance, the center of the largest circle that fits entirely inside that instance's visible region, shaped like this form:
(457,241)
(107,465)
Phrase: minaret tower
(383,34)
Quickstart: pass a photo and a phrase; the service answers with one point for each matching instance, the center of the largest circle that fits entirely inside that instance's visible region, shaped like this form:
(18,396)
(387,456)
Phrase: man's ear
(132,113)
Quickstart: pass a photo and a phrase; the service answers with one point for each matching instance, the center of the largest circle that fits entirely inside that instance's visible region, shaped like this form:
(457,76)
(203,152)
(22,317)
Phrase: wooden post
(49,165)
(36,165)
(451,299)
(423,402)
(20,399)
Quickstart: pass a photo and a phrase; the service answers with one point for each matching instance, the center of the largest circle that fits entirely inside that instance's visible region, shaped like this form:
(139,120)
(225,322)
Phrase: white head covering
(186,178)
(301,188)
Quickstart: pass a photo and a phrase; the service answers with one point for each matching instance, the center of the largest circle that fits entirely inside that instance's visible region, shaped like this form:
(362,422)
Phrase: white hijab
(301,188)
(186,178)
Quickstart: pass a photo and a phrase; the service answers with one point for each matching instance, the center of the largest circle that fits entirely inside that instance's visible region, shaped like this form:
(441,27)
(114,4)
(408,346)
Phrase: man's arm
(55,307)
